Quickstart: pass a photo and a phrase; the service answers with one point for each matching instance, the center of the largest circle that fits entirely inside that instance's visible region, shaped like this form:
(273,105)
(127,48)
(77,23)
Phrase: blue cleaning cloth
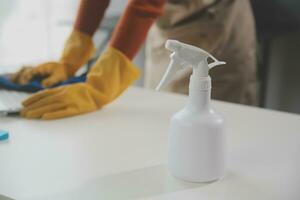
(35,84)
(4,135)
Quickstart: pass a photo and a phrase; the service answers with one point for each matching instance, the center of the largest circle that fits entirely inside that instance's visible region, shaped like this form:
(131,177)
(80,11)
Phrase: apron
(225,28)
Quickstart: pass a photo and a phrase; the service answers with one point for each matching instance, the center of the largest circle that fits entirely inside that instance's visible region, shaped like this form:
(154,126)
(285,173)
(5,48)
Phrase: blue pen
(3,135)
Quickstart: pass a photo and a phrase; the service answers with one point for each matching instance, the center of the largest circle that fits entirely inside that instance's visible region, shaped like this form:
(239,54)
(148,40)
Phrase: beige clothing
(224,28)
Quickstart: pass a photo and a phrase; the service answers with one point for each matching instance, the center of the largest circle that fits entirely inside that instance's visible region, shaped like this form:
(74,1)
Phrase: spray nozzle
(187,55)
(172,45)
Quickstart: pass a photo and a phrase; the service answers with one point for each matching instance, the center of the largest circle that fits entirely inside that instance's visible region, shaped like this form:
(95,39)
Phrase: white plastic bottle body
(197,134)
(196,149)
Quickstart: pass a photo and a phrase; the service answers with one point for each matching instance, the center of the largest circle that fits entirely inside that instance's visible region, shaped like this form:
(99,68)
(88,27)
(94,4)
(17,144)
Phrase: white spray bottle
(196,148)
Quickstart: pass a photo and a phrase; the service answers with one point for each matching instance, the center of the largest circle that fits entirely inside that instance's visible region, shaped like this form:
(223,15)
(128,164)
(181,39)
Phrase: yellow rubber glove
(77,51)
(109,77)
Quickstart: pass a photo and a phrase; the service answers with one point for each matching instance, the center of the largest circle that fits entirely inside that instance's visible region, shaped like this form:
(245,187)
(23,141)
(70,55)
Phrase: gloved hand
(77,51)
(53,72)
(109,77)
(19,76)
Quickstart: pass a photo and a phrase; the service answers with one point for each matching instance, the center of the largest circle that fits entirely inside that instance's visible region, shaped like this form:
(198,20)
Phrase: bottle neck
(199,94)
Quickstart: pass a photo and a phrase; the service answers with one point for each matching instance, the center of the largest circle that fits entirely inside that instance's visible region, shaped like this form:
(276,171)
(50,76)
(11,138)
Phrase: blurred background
(33,31)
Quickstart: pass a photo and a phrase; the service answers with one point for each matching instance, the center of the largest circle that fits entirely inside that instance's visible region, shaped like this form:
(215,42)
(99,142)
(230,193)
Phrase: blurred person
(223,27)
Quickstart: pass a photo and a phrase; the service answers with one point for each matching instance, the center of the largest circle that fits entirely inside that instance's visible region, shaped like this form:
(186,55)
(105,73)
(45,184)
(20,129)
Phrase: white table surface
(119,153)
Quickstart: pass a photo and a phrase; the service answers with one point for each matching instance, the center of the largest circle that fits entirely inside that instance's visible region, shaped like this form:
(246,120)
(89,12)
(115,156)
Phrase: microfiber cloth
(35,84)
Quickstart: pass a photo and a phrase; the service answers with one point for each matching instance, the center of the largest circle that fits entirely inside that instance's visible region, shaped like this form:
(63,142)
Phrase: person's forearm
(134,25)
(89,15)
